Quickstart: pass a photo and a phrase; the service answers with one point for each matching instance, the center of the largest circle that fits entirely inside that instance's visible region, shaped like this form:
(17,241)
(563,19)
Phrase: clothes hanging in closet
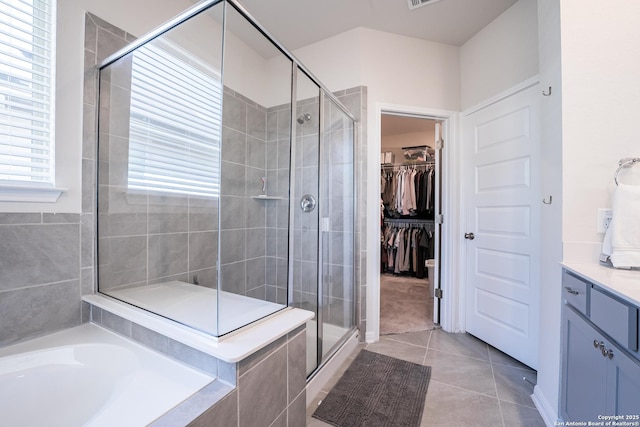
(404,250)
(408,192)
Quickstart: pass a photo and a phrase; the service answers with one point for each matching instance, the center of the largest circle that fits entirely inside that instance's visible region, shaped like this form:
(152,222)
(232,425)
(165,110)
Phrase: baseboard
(546,410)
(371,337)
(322,377)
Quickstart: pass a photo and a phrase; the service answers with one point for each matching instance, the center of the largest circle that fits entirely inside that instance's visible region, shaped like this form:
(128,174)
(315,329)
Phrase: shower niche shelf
(263,197)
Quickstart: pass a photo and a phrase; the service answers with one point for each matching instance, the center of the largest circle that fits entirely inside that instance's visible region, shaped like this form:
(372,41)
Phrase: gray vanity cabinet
(584,370)
(600,376)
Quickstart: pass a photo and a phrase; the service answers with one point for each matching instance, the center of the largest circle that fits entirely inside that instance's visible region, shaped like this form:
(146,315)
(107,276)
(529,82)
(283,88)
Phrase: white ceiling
(297,23)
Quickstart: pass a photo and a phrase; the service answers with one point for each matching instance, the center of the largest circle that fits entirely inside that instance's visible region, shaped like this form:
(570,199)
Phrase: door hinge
(439,219)
(440,144)
(438,293)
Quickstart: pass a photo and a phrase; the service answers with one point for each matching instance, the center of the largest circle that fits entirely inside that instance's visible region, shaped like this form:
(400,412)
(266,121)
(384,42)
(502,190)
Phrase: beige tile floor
(472,383)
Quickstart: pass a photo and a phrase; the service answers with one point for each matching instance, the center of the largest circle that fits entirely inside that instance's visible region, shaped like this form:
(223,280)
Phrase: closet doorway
(410,200)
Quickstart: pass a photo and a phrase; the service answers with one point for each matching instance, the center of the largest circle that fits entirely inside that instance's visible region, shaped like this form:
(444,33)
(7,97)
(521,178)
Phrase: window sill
(30,194)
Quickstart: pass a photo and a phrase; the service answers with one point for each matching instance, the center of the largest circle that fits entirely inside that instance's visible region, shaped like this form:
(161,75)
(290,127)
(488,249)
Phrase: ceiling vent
(414,4)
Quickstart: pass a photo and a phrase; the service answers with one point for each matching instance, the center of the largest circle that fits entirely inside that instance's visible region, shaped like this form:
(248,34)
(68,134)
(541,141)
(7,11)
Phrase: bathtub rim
(231,348)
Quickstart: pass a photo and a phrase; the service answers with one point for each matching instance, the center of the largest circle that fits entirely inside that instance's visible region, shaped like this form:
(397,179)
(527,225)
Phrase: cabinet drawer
(618,319)
(574,291)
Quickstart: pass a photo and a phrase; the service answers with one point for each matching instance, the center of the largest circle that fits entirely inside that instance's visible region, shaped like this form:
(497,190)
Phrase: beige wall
(600,110)
(501,55)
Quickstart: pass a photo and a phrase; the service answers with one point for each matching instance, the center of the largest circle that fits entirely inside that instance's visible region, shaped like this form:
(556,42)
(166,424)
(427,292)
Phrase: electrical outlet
(604,219)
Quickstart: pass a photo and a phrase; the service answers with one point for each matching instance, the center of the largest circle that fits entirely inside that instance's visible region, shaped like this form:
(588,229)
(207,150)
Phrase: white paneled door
(503,223)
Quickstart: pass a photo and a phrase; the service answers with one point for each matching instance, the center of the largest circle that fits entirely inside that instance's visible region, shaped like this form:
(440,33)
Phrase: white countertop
(623,283)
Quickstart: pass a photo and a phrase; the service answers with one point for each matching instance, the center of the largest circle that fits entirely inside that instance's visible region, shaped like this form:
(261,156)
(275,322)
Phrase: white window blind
(175,125)
(27,64)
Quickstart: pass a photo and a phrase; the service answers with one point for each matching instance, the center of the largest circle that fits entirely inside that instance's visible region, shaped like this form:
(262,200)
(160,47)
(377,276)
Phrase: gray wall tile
(259,292)
(203,214)
(20,218)
(234,147)
(116,323)
(39,310)
(193,357)
(87,240)
(233,278)
(168,214)
(227,372)
(203,250)
(150,338)
(232,180)
(90,78)
(223,414)
(89,131)
(86,281)
(297,411)
(60,218)
(123,260)
(257,123)
(255,243)
(281,421)
(88,185)
(232,246)
(167,254)
(245,365)
(263,390)
(256,274)
(108,42)
(90,33)
(206,277)
(233,212)
(35,254)
(234,112)
(297,366)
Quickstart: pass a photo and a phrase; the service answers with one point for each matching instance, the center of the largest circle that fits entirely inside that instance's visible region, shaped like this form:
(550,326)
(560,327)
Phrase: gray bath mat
(377,390)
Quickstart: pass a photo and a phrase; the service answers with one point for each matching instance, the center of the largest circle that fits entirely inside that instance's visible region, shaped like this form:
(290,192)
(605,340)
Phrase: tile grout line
(495,385)
(465,389)
(424,359)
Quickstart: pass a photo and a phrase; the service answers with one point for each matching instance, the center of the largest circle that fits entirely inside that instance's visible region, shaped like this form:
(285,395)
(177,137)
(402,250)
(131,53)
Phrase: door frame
(450,276)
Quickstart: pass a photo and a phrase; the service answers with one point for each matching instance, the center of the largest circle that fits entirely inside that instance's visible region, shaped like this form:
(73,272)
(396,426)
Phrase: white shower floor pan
(197,306)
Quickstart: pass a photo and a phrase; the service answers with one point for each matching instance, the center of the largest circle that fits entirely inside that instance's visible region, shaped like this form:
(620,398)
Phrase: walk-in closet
(409,200)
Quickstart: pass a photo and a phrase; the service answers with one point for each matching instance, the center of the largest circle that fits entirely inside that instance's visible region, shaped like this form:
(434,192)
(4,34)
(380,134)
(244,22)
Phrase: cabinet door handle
(610,353)
(571,291)
(596,344)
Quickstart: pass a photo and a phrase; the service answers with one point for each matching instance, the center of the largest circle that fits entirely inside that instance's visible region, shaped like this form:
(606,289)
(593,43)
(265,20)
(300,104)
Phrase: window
(175,123)
(27,64)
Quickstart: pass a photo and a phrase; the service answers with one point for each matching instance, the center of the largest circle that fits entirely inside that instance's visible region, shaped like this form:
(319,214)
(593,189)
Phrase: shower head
(304,118)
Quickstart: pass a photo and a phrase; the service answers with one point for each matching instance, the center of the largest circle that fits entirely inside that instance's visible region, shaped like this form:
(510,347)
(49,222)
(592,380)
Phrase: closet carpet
(406,305)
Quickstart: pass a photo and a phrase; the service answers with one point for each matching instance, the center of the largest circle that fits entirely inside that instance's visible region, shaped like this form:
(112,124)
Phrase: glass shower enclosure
(225,180)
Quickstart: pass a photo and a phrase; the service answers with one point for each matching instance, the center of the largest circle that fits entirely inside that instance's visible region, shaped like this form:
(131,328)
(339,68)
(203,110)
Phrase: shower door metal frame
(320,287)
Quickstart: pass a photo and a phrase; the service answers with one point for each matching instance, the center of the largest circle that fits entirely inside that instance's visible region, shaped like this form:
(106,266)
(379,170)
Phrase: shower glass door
(322,212)
(337,219)
(304,210)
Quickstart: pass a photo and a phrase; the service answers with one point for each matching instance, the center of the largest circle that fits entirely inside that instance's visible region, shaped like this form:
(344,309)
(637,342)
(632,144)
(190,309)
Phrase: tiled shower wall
(249,226)
(47,260)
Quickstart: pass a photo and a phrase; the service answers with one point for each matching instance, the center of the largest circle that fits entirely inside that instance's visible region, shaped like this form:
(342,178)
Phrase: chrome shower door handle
(307,203)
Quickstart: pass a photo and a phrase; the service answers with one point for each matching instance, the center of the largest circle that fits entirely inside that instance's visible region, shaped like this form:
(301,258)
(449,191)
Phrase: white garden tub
(88,376)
